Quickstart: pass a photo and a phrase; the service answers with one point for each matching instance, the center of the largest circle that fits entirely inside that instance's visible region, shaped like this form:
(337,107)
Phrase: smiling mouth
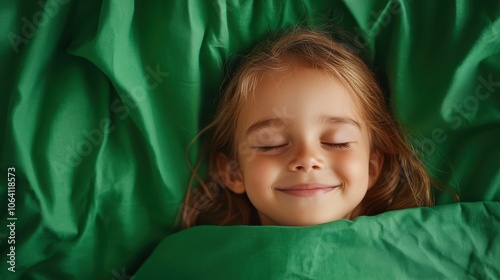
(305,190)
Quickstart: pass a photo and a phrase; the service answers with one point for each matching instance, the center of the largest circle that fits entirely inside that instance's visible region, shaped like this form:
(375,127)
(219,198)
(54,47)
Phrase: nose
(305,159)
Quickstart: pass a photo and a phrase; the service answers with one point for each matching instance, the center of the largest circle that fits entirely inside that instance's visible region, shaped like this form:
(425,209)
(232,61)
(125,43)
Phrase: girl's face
(303,150)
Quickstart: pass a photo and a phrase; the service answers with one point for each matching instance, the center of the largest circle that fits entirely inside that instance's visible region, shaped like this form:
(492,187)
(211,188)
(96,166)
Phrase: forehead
(300,94)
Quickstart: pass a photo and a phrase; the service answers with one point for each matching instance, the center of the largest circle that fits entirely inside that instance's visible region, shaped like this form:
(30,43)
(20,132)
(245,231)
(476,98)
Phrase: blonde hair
(403,182)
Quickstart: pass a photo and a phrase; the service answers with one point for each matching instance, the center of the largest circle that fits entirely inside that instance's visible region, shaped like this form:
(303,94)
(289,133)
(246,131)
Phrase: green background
(101,98)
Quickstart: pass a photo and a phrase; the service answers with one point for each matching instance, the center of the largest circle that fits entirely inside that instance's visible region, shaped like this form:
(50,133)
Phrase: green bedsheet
(101,98)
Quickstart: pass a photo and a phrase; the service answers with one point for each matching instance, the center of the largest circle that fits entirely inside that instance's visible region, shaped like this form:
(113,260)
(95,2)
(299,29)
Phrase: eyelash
(270,148)
(339,146)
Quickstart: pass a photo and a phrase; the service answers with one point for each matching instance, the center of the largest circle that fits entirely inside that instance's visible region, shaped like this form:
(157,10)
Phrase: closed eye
(339,146)
(270,148)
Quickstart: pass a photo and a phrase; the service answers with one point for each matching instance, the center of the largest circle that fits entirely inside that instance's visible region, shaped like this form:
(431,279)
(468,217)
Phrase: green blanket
(445,242)
(101,98)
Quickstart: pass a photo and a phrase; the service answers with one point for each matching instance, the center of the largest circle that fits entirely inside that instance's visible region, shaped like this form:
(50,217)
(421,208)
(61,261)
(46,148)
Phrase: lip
(305,190)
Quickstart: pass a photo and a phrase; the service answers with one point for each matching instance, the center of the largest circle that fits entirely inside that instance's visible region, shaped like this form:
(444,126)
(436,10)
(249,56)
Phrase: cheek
(353,167)
(260,173)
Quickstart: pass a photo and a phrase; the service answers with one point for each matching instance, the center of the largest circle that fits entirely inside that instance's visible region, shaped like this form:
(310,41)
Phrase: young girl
(302,137)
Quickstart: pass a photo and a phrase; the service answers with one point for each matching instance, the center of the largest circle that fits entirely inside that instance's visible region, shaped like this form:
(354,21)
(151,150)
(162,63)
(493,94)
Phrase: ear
(375,167)
(230,173)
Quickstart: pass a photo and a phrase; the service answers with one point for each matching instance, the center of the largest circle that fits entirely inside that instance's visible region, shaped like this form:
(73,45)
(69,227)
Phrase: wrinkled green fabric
(457,241)
(101,98)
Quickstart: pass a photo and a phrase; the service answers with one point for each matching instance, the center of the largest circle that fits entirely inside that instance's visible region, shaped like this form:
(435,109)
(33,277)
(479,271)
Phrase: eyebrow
(323,119)
(265,124)
(338,120)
